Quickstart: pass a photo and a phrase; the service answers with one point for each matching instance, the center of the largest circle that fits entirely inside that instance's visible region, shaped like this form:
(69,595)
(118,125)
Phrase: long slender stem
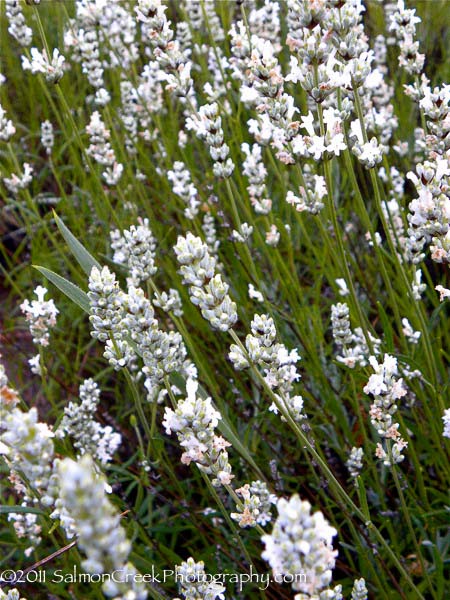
(334,483)
(337,232)
(407,516)
(399,264)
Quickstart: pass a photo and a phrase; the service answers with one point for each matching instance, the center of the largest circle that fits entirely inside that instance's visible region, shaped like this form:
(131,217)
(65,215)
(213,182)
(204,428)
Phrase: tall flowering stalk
(207,125)
(97,524)
(174,67)
(271,156)
(101,151)
(26,445)
(386,388)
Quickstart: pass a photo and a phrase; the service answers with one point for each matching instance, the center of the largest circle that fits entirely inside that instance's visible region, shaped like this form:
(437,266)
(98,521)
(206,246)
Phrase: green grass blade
(225,428)
(68,288)
(7,509)
(84,258)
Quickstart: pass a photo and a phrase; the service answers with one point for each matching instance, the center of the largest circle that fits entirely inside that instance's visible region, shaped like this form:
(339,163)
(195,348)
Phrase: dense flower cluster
(107,311)
(193,582)
(17,23)
(40,62)
(359,591)
(446,420)
(101,150)
(256,507)
(207,124)
(135,248)
(354,463)
(101,36)
(47,136)
(256,172)
(352,344)
(301,542)
(340,322)
(7,129)
(386,388)
(310,197)
(27,448)
(41,316)
(19,182)
(106,300)
(169,302)
(162,352)
(126,322)
(194,421)
(97,523)
(403,25)
(89,436)
(207,290)
(183,187)
(173,63)
(275,359)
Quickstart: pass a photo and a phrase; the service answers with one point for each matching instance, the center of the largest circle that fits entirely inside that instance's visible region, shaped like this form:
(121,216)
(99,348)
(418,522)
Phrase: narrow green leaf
(387,327)
(72,291)
(225,428)
(436,315)
(84,258)
(6,509)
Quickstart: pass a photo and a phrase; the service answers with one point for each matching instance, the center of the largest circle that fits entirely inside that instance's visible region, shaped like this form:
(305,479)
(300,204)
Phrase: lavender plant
(225,227)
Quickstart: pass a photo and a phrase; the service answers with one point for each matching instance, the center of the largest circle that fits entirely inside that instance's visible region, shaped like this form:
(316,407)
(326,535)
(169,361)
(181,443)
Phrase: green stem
(399,265)
(337,232)
(228,519)
(334,483)
(407,516)
(138,404)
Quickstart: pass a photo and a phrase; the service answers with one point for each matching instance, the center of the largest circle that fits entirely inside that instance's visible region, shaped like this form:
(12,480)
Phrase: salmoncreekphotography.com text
(239,580)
